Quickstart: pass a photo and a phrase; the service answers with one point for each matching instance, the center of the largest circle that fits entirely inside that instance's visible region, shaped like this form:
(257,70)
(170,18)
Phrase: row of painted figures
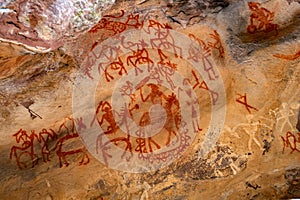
(56,140)
(26,150)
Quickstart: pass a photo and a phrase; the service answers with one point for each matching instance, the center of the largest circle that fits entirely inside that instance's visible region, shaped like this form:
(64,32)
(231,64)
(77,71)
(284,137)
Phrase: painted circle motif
(140,108)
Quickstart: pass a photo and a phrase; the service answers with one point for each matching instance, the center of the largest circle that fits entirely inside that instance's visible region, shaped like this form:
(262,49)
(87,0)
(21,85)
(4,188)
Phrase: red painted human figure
(156,96)
(107,115)
(107,55)
(202,54)
(115,66)
(44,137)
(144,146)
(166,68)
(141,56)
(62,153)
(192,102)
(80,123)
(127,90)
(203,85)
(173,120)
(104,108)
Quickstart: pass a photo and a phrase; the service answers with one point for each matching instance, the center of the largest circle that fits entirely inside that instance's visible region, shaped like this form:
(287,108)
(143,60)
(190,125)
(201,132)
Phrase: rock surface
(49,149)
(46,25)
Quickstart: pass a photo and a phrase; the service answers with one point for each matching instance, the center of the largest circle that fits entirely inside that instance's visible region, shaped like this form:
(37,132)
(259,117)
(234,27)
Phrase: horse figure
(70,135)
(261,19)
(141,56)
(62,154)
(27,147)
(117,27)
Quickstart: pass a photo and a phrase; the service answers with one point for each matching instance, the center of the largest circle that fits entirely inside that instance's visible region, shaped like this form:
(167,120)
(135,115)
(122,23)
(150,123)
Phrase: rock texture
(46,25)
(48,48)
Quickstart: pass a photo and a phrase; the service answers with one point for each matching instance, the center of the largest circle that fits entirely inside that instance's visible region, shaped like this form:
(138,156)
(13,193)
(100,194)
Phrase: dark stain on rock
(292,177)
(27,103)
(99,185)
(291,1)
(218,163)
(254,186)
(99,190)
(166,188)
(183,11)
(195,169)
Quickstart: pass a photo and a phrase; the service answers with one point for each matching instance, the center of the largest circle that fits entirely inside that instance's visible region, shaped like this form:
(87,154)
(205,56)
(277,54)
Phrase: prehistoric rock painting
(139,57)
(164,38)
(44,137)
(223,157)
(117,27)
(150,76)
(113,26)
(242,99)
(291,142)
(261,19)
(62,134)
(283,116)
(203,85)
(257,131)
(137,102)
(139,144)
(202,54)
(217,44)
(26,147)
(288,57)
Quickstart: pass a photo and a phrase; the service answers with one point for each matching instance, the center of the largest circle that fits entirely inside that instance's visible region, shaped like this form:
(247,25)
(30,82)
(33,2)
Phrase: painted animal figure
(26,148)
(140,56)
(260,19)
(62,153)
(67,128)
(115,26)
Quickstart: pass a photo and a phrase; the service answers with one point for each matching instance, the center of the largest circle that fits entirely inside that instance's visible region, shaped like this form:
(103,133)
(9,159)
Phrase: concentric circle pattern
(138,97)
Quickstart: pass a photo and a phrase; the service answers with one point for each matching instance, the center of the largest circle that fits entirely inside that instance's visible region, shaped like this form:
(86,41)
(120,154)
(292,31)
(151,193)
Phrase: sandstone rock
(44,26)
(210,90)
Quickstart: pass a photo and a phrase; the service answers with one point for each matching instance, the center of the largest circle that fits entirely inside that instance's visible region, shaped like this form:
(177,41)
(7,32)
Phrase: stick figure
(285,114)
(192,102)
(127,90)
(251,128)
(156,96)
